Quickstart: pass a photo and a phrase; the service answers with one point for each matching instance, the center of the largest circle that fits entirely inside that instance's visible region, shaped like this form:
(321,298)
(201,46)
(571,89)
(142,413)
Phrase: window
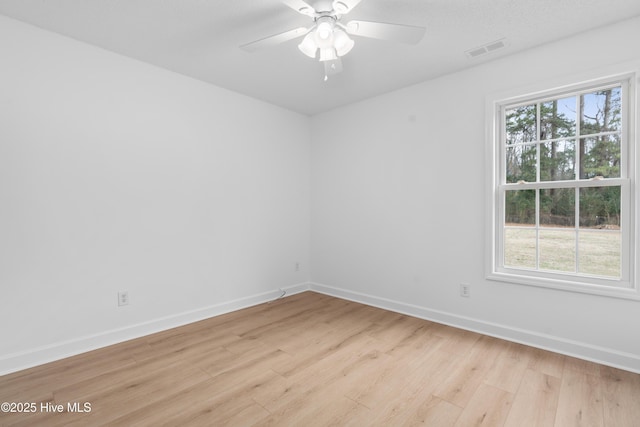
(562,182)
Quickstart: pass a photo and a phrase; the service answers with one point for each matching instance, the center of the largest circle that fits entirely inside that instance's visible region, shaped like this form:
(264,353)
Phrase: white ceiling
(200,38)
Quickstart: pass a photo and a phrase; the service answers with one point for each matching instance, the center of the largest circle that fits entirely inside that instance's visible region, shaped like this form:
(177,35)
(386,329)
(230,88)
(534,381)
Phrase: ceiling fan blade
(301,6)
(344,6)
(384,31)
(274,40)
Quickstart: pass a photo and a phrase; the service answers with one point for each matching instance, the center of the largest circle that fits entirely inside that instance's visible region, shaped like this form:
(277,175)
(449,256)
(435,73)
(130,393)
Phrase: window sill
(617,291)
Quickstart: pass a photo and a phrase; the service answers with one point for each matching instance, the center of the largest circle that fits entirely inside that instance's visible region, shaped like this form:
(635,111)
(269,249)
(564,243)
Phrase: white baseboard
(38,356)
(605,356)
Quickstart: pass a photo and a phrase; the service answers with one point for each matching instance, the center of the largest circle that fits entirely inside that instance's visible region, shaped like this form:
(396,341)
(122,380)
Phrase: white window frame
(625,287)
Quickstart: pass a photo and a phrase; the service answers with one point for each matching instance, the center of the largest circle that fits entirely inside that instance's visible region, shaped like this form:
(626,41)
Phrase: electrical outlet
(123,298)
(296,266)
(465,290)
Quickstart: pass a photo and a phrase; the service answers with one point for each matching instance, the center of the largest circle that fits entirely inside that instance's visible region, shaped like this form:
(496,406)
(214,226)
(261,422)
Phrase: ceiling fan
(328,38)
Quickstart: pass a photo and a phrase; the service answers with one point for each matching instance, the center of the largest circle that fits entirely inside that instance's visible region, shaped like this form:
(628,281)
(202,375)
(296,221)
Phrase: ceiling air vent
(484,49)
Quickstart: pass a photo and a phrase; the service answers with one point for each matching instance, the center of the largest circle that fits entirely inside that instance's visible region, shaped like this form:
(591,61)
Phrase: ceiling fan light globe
(323,34)
(324,30)
(325,43)
(308,46)
(342,42)
(346,49)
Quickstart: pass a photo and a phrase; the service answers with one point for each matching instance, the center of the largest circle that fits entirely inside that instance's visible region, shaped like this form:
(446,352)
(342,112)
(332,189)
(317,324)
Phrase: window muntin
(563,191)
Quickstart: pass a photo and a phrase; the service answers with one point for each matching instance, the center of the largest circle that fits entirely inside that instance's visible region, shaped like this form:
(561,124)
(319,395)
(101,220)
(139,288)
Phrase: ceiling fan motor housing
(323,6)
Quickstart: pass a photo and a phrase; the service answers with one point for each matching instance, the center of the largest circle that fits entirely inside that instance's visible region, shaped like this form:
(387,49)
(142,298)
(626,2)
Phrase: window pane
(557,160)
(521,163)
(600,111)
(600,207)
(558,118)
(599,239)
(558,250)
(520,207)
(520,247)
(557,207)
(521,124)
(600,252)
(600,156)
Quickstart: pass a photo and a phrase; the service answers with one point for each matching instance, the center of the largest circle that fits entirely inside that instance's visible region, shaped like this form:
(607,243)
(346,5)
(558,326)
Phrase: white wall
(116,175)
(399,201)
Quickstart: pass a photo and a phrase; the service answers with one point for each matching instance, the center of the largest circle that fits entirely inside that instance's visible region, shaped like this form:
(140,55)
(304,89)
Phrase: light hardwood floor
(314,360)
